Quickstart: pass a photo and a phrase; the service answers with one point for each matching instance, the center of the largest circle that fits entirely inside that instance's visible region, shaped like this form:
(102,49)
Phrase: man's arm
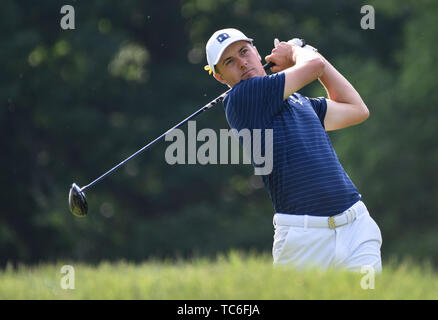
(345,107)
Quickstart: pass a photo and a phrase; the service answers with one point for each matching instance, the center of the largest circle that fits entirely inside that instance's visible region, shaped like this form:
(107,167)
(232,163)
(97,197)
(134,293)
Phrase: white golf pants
(350,240)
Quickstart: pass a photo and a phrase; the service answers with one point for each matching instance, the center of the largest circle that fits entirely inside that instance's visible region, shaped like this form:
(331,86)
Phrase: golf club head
(77,202)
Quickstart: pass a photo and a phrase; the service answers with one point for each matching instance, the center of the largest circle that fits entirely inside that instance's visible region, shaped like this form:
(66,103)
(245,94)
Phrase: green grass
(234,276)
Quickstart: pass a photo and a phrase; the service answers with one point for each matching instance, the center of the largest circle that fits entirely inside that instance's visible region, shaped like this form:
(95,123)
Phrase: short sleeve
(320,107)
(253,103)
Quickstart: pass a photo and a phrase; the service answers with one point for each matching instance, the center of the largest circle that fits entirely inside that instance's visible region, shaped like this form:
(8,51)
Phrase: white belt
(333,222)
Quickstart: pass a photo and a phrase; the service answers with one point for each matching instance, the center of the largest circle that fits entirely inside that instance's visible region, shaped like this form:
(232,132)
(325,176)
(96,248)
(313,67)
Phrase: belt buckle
(331,222)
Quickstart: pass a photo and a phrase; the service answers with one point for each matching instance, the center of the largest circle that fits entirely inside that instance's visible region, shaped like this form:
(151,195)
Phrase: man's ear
(219,78)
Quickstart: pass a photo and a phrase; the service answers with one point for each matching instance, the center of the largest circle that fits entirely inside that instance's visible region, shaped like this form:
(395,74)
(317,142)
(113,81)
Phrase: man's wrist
(297,42)
(298,45)
(301,43)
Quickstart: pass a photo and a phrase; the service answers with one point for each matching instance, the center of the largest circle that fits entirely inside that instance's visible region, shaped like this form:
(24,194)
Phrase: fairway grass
(231,276)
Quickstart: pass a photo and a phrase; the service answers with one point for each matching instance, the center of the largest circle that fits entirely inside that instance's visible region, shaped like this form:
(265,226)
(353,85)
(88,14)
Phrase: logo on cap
(222,37)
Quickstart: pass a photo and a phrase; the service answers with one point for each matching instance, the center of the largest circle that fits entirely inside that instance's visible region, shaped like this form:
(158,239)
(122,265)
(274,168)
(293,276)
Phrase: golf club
(76,198)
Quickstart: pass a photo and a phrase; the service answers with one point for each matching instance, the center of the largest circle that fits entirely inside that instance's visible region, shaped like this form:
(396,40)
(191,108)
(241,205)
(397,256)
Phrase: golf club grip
(268,66)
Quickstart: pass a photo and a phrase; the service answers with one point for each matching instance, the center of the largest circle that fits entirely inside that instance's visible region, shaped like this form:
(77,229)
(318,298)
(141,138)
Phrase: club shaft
(207,106)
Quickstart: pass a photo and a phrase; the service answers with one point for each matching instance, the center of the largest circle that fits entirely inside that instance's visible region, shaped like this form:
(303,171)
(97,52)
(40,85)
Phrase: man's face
(240,61)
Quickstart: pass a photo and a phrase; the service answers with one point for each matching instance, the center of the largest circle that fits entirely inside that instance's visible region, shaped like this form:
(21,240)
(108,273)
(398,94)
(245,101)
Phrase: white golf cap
(219,41)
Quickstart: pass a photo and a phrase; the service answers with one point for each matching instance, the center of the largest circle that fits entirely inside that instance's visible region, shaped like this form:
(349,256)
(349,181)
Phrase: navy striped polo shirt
(307,177)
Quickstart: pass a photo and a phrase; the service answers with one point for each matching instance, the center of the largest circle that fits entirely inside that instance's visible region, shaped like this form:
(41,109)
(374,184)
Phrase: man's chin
(252,74)
(249,74)
(249,77)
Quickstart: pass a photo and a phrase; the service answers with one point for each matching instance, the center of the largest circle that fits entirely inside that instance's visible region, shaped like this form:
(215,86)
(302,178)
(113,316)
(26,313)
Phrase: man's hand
(282,55)
(301,66)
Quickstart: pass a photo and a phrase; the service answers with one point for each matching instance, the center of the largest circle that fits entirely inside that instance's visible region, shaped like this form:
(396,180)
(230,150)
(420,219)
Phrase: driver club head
(77,202)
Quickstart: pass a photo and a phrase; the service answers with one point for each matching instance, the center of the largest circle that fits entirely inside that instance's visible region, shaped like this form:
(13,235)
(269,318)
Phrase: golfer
(319,219)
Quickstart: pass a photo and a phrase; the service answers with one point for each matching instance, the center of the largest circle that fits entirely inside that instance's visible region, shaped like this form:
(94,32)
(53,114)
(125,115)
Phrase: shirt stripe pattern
(307,176)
